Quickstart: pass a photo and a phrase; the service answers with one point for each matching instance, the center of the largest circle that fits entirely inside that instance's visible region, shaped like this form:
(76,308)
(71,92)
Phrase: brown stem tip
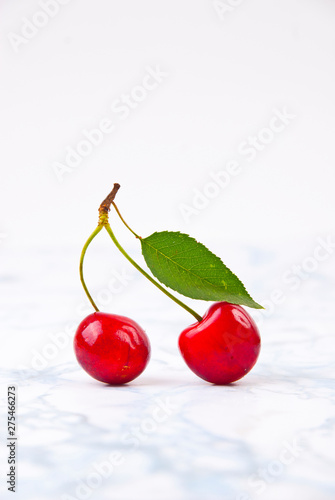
(105,205)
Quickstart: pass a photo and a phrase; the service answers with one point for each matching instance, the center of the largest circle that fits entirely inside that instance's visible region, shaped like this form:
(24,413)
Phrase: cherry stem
(124,222)
(81,264)
(103,215)
(152,280)
(179,302)
(105,205)
(103,222)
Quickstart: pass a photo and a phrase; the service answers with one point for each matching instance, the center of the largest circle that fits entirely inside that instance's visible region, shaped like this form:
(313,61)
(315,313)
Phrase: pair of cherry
(221,348)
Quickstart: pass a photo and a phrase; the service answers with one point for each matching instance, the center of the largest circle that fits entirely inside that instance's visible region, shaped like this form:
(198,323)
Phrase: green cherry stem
(103,209)
(153,281)
(104,222)
(81,265)
(124,222)
(177,301)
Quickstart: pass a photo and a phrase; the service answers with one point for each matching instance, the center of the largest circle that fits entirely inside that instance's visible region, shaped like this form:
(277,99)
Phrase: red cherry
(111,348)
(224,346)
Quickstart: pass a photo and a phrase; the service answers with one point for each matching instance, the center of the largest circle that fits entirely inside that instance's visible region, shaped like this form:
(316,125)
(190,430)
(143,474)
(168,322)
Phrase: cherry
(113,349)
(220,348)
(223,346)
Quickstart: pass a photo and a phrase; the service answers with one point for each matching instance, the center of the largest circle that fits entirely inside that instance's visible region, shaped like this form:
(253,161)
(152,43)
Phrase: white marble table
(168,435)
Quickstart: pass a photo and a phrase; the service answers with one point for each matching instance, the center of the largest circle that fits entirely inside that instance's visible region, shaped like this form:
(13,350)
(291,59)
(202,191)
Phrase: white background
(225,76)
(228,69)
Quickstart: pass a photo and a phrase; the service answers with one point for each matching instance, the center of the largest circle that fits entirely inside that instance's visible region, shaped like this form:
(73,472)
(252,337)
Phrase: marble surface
(168,435)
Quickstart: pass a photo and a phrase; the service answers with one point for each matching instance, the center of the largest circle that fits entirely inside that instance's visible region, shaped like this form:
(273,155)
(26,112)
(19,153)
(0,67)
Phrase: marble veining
(169,435)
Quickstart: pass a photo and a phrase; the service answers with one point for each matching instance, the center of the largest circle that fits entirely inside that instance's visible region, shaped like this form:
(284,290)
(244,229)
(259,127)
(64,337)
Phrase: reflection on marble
(169,435)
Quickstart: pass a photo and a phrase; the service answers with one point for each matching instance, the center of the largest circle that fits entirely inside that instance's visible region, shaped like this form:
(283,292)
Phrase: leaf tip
(258,306)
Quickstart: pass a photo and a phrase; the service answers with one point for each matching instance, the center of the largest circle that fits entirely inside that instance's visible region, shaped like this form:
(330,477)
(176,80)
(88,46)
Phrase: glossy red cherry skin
(224,346)
(111,348)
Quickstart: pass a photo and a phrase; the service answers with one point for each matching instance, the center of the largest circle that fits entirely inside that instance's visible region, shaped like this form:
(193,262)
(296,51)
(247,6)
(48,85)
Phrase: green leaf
(181,263)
